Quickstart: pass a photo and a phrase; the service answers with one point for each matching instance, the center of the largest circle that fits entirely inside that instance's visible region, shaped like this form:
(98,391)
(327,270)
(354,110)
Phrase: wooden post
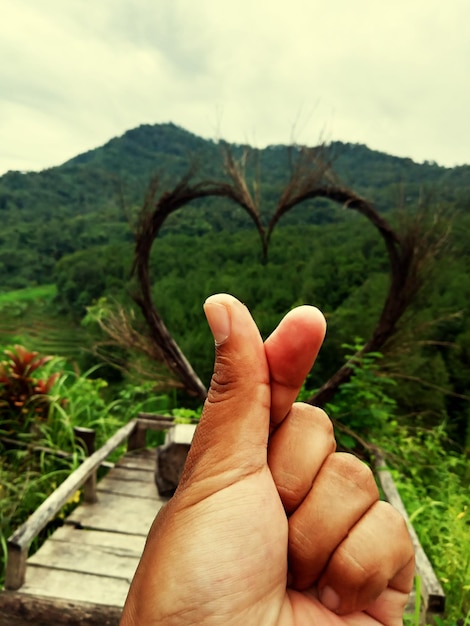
(171,458)
(137,439)
(85,438)
(16,566)
(147,421)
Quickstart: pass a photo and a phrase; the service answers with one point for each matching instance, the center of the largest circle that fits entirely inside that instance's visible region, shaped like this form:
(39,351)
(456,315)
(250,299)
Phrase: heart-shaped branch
(311,177)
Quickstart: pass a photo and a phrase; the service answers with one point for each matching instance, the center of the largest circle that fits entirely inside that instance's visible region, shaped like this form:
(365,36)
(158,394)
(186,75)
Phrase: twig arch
(311,177)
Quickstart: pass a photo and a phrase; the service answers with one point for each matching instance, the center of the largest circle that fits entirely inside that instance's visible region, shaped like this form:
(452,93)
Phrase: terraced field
(29,317)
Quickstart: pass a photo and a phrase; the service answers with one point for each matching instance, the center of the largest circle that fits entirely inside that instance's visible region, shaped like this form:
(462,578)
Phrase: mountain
(89,200)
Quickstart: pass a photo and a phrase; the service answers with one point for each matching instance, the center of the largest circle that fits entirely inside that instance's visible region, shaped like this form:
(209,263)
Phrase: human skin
(270,526)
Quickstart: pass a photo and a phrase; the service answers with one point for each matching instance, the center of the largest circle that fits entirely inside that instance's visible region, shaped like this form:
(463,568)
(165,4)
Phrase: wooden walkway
(93,557)
(82,573)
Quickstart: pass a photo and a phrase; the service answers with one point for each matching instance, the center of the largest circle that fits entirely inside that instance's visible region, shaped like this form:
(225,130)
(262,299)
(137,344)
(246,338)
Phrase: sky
(392,75)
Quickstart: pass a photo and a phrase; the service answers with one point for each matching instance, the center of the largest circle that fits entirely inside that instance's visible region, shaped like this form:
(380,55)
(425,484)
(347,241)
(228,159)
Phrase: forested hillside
(90,200)
(72,226)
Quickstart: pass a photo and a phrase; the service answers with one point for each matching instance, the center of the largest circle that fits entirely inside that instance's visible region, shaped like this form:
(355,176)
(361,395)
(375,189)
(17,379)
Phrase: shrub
(24,396)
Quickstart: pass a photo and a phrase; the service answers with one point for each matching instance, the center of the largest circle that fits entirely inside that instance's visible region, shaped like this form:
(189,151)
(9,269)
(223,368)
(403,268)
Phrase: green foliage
(29,317)
(433,482)
(29,294)
(341,267)
(362,407)
(26,479)
(71,224)
(440,622)
(144,397)
(32,467)
(186,416)
(415,618)
(82,277)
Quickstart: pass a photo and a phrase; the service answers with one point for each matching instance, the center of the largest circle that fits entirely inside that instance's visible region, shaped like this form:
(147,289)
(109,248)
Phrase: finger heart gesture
(270,526)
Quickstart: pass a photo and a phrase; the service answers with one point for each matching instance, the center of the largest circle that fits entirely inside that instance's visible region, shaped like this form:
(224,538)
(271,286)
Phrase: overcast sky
(391,74)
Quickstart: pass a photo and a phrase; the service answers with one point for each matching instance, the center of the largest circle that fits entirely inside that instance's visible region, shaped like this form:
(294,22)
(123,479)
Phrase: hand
(270,529)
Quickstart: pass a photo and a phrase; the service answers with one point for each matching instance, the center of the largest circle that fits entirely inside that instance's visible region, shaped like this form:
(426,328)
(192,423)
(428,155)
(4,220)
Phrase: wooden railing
(432,600)
(18,544)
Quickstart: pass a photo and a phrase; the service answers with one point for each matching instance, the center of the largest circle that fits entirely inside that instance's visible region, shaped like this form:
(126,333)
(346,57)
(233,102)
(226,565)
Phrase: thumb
(232,435)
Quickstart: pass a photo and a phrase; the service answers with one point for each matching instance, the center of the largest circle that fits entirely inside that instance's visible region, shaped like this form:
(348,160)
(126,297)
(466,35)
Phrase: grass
(29,294)
(433,482)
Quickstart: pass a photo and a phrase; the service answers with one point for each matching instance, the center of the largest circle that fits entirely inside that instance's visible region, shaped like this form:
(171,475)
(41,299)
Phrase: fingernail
(218,319)
(330,599)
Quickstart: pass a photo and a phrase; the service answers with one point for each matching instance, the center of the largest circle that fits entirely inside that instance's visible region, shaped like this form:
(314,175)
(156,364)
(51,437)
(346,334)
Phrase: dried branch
(411,257)
(426,383)
(239,192)
(120,327)
(156,210)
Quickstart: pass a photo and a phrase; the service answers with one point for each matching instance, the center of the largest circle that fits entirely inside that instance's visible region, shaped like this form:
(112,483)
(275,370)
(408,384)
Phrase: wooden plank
(129,474)
(150,424)
(144,460)
(18,609)
(86,438)
(75,587)
(117,513)
(128,486)
(145,422)
(138,439)
(16,565)
(134,544)
(431,589)
(171,458)
(132,474)
(98,559)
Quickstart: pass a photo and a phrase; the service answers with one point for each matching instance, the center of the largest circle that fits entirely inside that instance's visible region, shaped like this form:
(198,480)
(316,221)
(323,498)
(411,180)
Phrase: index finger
(291,351)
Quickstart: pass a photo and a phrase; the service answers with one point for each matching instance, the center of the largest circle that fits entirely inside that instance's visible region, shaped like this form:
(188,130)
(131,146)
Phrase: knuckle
(389,513)
(355,471)
(360,575)
(315,418)
(223,380)
(300,538)
(219,390)
(323,422)
(233,376)
(394,519)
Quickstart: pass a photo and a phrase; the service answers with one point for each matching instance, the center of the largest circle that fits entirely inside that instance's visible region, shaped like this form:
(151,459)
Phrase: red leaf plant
(23,396)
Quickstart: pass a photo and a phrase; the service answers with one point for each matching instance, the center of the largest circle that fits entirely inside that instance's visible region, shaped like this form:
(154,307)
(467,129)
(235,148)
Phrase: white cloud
(391,75)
